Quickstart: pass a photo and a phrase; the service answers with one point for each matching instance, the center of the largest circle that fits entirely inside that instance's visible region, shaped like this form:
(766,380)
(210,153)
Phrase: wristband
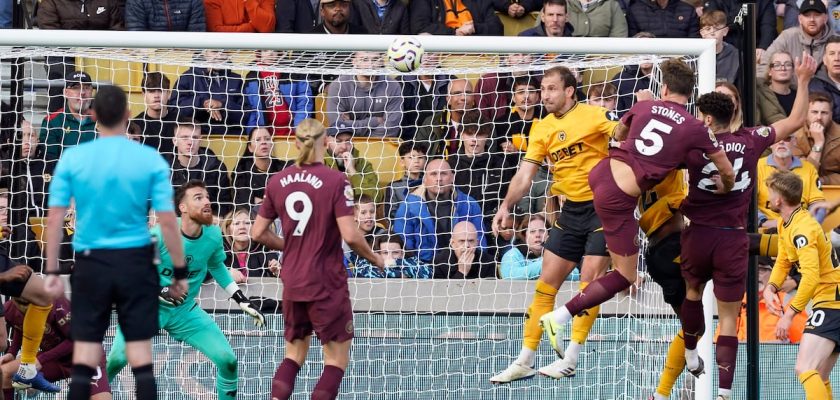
(239,297)
(179,273)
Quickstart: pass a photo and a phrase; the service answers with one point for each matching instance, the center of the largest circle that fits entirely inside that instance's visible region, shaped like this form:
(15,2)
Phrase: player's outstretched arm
(260,232)
(519,185)
(221,274)
(805,68)
(351,235)
(55,223)
(172,239)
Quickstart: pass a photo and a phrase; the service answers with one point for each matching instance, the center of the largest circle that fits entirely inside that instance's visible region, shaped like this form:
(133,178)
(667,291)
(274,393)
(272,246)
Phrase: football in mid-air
(405,54)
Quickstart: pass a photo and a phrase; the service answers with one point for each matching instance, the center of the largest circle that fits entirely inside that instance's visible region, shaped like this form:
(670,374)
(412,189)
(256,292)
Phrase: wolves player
(55,361)
(803,242)
(658,136)
(574,137)
(315,207)
(181,316)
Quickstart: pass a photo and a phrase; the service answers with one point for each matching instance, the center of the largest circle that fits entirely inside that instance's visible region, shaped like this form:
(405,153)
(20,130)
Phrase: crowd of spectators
(459,140)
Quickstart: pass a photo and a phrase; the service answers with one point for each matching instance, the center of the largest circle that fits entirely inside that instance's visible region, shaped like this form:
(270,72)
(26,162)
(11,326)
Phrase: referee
(114,182)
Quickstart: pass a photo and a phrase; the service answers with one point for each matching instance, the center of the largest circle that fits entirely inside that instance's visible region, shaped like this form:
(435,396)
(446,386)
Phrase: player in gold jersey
(802,241)
(573,137)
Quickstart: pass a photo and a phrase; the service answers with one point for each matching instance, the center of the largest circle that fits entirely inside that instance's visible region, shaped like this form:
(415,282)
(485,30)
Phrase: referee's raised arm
(114,182)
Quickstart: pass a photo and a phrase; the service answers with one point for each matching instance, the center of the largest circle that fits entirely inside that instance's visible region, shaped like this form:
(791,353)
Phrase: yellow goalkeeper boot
(553,331)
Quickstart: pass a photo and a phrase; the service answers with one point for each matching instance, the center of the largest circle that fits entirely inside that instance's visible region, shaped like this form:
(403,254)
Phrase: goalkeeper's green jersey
(201,254)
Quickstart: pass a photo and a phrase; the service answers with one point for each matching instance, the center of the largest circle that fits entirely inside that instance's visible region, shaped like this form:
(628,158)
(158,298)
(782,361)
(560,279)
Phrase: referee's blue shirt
(114,182)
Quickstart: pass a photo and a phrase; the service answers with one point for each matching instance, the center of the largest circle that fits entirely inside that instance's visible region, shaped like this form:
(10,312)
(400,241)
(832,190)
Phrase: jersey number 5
(741,184)
(652,135)
(302,216)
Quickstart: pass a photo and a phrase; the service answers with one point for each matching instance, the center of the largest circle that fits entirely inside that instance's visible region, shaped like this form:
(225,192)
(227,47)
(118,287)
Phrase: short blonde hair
(788,185)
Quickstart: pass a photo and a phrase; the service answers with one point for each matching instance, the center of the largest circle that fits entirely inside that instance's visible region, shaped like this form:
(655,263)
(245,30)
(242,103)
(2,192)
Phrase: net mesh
(441,340)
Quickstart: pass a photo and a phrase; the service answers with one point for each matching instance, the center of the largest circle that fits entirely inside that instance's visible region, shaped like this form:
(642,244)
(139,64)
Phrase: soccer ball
(405,54)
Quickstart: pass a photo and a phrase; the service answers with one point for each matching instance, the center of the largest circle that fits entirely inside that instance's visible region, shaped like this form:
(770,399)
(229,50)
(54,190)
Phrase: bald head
(464,238)
(438,178)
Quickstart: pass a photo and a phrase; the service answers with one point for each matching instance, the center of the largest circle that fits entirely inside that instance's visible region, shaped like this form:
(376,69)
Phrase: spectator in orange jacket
(240,15)
(766,320)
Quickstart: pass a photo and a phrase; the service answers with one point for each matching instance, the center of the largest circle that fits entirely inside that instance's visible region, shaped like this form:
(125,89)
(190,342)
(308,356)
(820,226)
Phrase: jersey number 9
(302,216)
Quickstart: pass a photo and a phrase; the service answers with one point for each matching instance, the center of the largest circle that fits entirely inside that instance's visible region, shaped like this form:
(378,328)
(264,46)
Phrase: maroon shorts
(616,210)
(331,318)
(718,254)
(58,370)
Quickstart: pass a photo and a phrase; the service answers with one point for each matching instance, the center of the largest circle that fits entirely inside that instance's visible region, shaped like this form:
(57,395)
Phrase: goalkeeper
(181,317)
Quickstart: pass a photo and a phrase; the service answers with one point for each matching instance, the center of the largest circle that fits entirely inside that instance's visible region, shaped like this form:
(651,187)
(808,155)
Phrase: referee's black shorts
(577,232)
(124,278)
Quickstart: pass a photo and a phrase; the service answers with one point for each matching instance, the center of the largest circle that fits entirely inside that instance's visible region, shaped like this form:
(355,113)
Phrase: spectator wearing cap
(382,17)
(255,16)
(663,18)
(765,21)
(553,21)
(366,105)
(810,36)
(336,19)
(296,16)
(464,258)
(276,100)
(72,124)
(211,96)
(165,15)
(157,122)
(597,18)
(342,156)
(454,17)
(713,26)
(426,218)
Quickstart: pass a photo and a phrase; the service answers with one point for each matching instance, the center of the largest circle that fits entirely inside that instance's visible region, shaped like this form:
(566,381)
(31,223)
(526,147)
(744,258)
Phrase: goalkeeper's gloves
(166,296)
(245,305)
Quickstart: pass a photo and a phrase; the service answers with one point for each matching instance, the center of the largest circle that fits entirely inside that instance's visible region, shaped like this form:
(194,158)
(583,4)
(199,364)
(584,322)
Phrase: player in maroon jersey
(714,245)
(55,360)
(656,135)
(315,206)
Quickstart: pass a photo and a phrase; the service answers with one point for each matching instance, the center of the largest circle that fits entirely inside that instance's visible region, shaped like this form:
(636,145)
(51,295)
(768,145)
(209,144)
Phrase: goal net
(414,337)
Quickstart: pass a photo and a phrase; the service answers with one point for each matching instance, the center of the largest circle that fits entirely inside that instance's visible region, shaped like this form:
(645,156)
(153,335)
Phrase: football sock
(327,386)
(813,384)
(34,323)
(674,364)
(283,383)
(597,292)
(572,351)
(581,325)
(691,317)
(764,244)
(526,357)
(726,352)
(80,377)
(144,378)
(828,390)
(543,302)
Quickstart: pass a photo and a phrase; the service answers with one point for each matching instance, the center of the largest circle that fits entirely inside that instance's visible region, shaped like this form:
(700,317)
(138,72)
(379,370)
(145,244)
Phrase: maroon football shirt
(661,134)
(308,199)
(743,149)
(56,343)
